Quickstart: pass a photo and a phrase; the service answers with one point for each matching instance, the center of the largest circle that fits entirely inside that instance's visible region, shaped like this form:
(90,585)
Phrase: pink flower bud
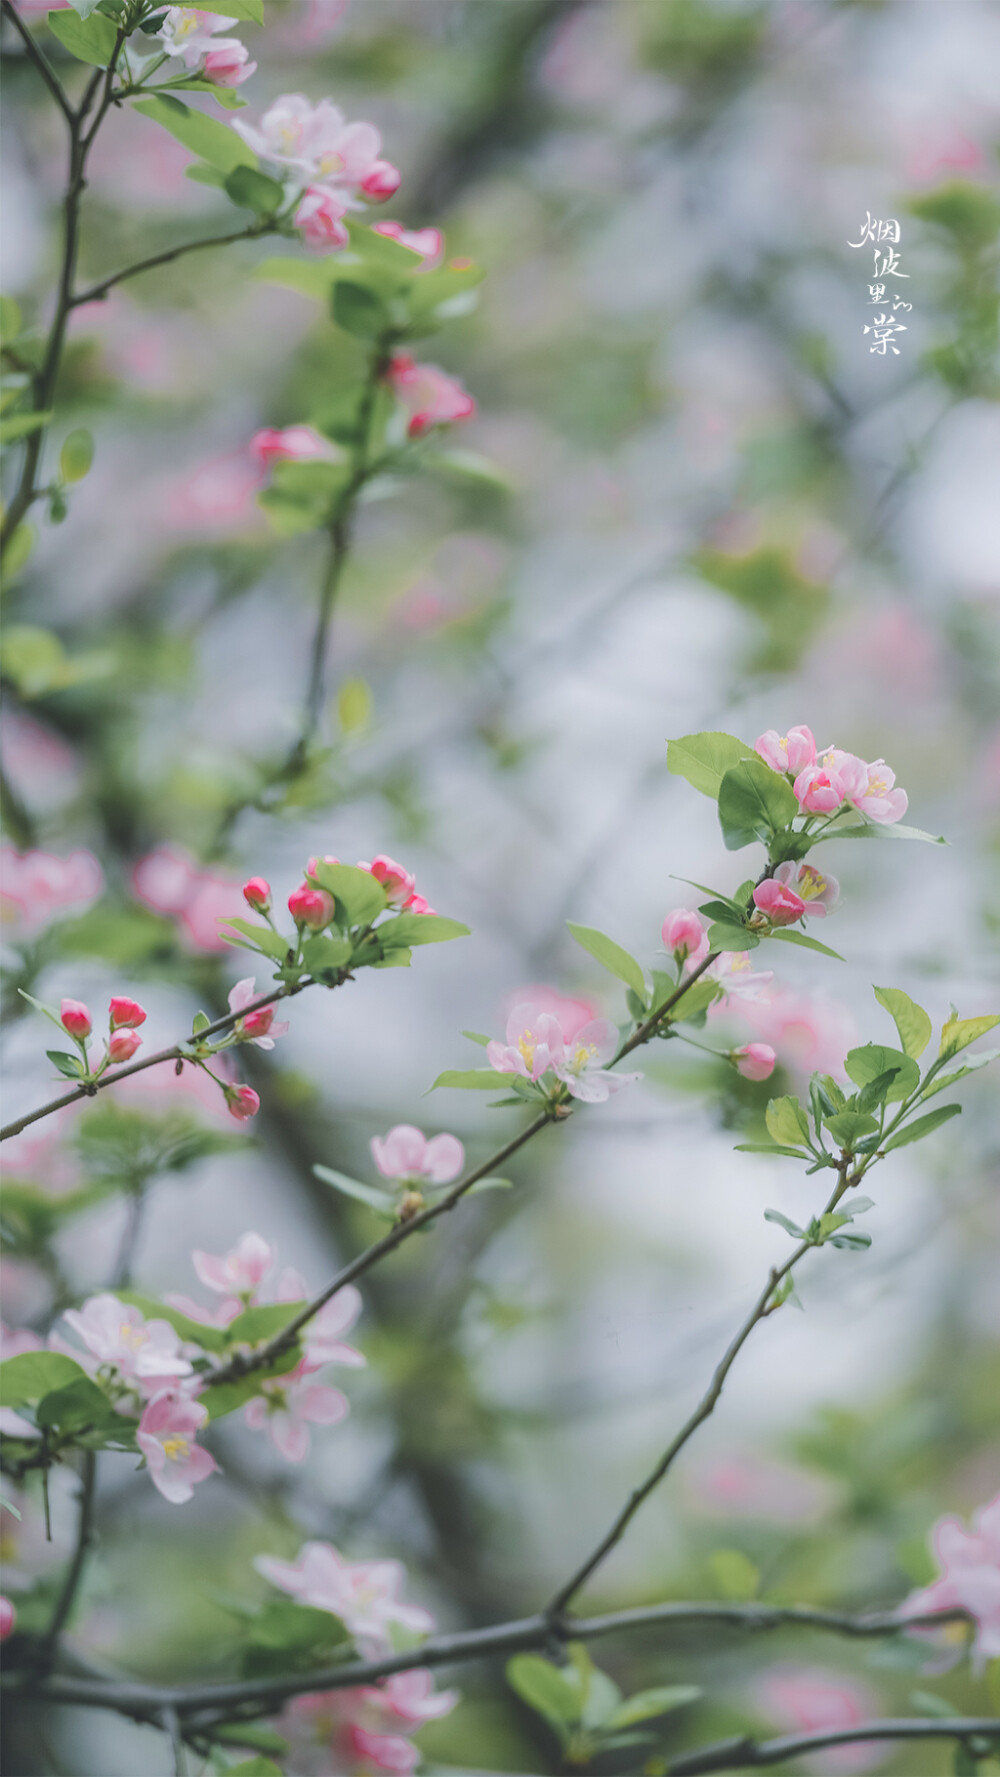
(257,1024)
(228,62)
(818,791)
(291,444)
(75,1018)
(320,217)
(381,181)
(8,1617)
(779,902)
(787,752)
(311,907)
(417,904)
(123,1044)
(755,1061)
(243,1102)
(126,1012)
(397,881)
(328,859)
(683,933)
(257,894)
(427,242)
(431,397)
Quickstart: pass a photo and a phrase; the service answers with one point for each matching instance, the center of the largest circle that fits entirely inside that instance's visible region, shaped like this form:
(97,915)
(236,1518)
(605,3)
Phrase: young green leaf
(870,1062)
(911,1021)
(70,1066)
(360,897)
(421,928)
(754,803)
(958,1033)
(76,455)
(323,955)
(20,425)
(766,1147)
(34,1374)
(875,830)
(90,40)
(792,1228)
(477,1079)
(731,937)
(704,759)
(787,936)
(941,1082)
(358,310)
(787,1122)
(205,136)
(262,938)
(369,1195)
(254,190)
(546,1689)
(734,1573)
(647,1705)
(850,1127)
(923,1126)
(694,1002)
(610,955)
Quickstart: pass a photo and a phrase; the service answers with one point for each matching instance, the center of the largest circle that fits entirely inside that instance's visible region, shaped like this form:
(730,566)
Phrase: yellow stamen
(176,1448)
(527,1049)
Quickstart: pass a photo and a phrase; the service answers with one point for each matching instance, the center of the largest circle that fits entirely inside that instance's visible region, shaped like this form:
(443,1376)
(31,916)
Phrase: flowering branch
(96,292)
(149,1701)
(764,1305)
(743,1754)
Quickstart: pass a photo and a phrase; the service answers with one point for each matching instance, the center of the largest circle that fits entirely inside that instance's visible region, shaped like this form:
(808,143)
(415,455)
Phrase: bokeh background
(718,509)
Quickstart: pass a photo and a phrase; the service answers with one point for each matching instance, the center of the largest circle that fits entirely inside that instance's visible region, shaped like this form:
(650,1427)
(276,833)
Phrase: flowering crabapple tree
(334,1671)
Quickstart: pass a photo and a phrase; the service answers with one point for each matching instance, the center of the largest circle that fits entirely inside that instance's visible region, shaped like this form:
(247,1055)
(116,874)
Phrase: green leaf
(396,959)
(923,1126)
(766,1147)
(226,96)
(731,937)
(369,1195)
(90,39)
(19,425)
(205,175)
(421,928)
(10,319)
(310,277)
(477,1079)
(792,1228)
(250,10)
(476,1036)
(254,1767)
(84,7)
(254,190)
(754,803)
(360,897)
(911,1021)
(787,936)
(257,1324)
(81,1408)
(490,1184)
(263,939)
(876,1091)
(943,1081)
(467,466)
(695,1001)
(610,955)
(70,1066)
(874,1059)
(76,455)
(849,1127)
(205,136)
(787,1122)
(227,1396)
(875,830)
(354,706)
(323,955)
(734,1573)
(546,1689)
(358,310)
(647,1705)
(958,1033)
(850,1242)
(34,1374)
(704,759)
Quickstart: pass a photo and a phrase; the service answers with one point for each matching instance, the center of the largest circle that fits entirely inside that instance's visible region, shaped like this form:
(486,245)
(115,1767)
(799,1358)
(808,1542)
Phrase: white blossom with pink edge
(320,215)
(970,1577)
(787,752)
(428,243)
(258,1028)
(144,1352)
(316,144)
(534,1044)
(188,32)
(322,1337)
(239,1272)
(406,1153)
(582,1070)
(292,444)
(737,977)
(818,891)
(166,1437)
(287,1406)
(570,1014)
(36,887)
(364,1595)
(429,394)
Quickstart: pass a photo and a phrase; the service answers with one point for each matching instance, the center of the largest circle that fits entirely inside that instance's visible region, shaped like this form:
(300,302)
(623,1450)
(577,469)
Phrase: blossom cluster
(36,887)
(551,1035)
(367,1727)
(193,34)
(334,165)
(826,779)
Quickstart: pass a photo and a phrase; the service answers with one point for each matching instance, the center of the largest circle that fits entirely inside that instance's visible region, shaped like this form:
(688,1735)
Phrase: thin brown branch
(95,292)
(41,61)
(745,1754)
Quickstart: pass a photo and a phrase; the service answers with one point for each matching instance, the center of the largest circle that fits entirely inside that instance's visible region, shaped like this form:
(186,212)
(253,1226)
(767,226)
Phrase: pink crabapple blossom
(427,242)
(257,1027)
(534,1042)
(320,216)
(363,1727)
(125,1013)
(417,904)
(737,977)
(818,790)
(684,933)
(287,444)
(880,801)
(8,1617)
(778,902)
(429,394)
(169,881)
(166,1437)
(755,1061)
(146,1352)
(189,32)
(365,1595)
(75,1018)
(257,892)
(805,1699)
(396,880)
(322,1337)
(228,63)
(406,1153)
(787,752)
(969,1560)
(582,1069)
(316,144)
(816,889)
(287,1406)
(122,1045)
(240,1271)
(311,907)
(37,887)
(381,182)
(242,1102)
(571,1014)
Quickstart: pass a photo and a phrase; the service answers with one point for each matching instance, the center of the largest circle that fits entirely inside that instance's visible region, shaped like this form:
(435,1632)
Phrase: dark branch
(743,1754)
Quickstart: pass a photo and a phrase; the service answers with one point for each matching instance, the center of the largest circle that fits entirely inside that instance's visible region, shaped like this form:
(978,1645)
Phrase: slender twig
(706,1406)
(95,292)
(742,1754)
(498,1639)
(41,61)
(74,1573)
(172,1729)
(243,1364)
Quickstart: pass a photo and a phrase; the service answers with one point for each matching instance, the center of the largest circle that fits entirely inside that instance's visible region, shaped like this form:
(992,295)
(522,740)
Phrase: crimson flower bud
(381,181)
(75,1018)
(257,1024)
(126,1012)
(243,1102)
(311,907)
(257,894)
(123,1044)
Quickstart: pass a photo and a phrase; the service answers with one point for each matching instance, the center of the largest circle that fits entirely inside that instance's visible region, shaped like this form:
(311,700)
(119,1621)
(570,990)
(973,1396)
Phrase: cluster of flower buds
(335,165)
(123,1039)
(826,779)
(313,907)
(193,34)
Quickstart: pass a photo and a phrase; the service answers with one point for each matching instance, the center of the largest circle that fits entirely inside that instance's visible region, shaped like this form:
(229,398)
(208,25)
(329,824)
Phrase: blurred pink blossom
(166,1437)
(240,1271)
(315,143)
(365,1595)
(363,1729)
(228,63)
(320,215)
(41,765)
(146,1352)
(753,1486)
(36,887)
(218,492)
(287,1406)
(570,1014)
(8,1617)
(406,1153)
(534,1042)
(427,242)
(288,444)
(970,1576)
(809,1032)
(808,1699)
(429,394)
(943,152)
(737,978)
(169,881)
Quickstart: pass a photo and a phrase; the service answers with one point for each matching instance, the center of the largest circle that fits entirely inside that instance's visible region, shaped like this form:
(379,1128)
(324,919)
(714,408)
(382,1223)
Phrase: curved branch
(743,1754)
(146,1701)
(97,291)
(71,1584)
(41,61)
